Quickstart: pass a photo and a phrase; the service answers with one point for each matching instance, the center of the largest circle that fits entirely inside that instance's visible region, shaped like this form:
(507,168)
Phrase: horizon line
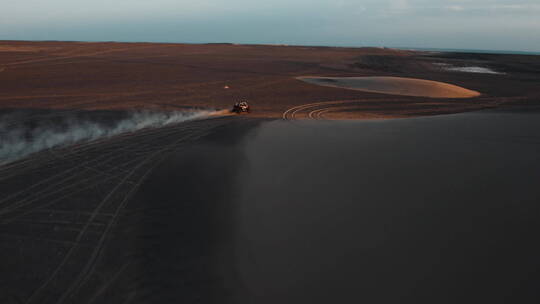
(405,48)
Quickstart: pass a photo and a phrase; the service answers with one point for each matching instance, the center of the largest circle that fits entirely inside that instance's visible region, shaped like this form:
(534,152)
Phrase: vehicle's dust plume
(20,137)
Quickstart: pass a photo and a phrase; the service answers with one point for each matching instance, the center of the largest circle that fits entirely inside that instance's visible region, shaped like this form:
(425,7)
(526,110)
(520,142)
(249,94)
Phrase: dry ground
(148,216)
(78,75)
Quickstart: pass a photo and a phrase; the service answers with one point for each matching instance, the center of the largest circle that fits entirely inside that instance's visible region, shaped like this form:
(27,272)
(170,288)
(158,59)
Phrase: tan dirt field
(77,75)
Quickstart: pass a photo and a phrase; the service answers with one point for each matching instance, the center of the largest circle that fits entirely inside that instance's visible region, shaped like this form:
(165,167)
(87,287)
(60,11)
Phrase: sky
(456,24)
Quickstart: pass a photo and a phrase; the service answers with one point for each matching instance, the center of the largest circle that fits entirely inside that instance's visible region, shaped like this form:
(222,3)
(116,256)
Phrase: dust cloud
(20,137)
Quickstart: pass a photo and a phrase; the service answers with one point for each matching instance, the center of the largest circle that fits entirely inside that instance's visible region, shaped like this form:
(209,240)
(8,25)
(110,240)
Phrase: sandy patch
(394,86)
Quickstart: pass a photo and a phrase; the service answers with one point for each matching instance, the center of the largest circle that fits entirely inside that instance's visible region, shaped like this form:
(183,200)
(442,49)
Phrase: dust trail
(221,113)
(18,140)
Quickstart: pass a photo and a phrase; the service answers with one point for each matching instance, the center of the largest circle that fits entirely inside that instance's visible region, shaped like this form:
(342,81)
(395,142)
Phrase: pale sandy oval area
(394,86)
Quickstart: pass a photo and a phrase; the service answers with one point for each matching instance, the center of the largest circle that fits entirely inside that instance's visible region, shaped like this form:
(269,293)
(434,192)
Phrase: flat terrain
(60,212)
(77,75)
(110,192)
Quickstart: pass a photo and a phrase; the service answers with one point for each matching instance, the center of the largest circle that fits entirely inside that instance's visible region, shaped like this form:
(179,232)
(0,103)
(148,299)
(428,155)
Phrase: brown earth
(79,75)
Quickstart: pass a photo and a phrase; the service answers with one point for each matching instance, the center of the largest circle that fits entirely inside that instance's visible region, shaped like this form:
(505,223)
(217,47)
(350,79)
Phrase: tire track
(65,176)
(154,148)
(73,154)
(48,240)
(379,108)
(111,281)
(112,141)
(55,187)
(290,114)
(84,182)
(80,235)
(89,268)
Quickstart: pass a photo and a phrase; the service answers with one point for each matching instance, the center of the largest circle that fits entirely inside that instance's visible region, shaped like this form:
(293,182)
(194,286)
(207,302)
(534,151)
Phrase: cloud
(454,8)
(516,7)
(399,5)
